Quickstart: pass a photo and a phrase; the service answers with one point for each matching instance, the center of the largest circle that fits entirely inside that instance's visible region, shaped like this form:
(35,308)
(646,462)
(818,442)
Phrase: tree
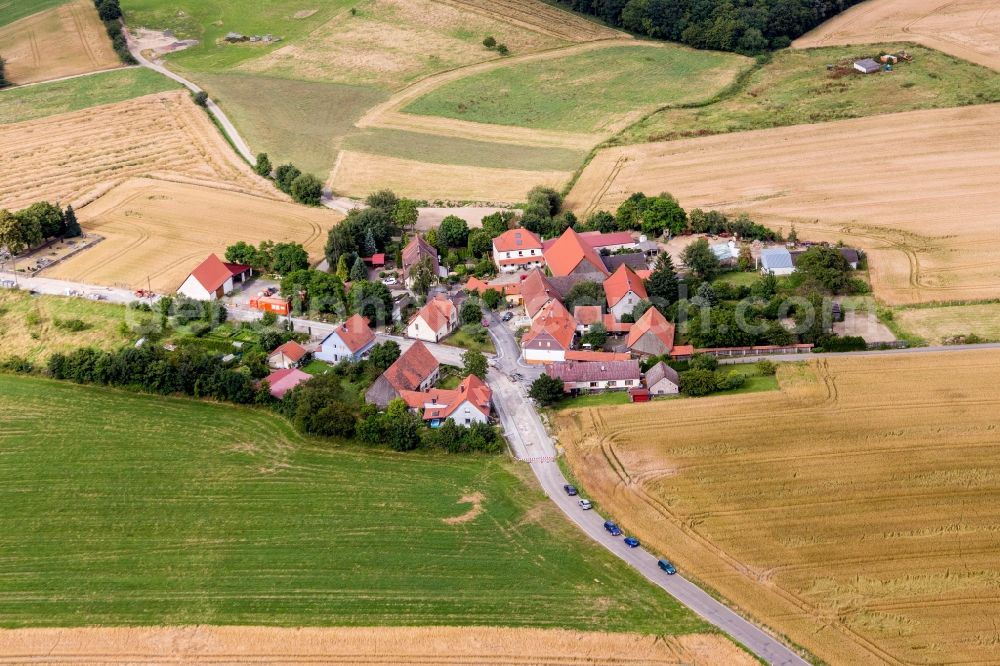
(491,298)
(71,228)
(745,261)
(471,313)
(602,221)
(307,189)
(379,222)
(503,50)
(406,214)
(289,257)
(793,236)
(263,166)
(480,244)
(47,217)
(474,363)
(453,232)
(422,276)
(18,234)
(382,355)
(628,216)
(697,382)
(358,270)
(662,283)
(342,271)
(660,214)
(109,10)
(400,427)
(490,42)
(200,98)
(3,73)
(244,253)
(698,256)
(826,267)
(547,390)
(545,198)
(384,200)
(372,300)
(596,337)
(340,241)
(586,292)
(705,296)
(284,176)
(368,246)
(498,222)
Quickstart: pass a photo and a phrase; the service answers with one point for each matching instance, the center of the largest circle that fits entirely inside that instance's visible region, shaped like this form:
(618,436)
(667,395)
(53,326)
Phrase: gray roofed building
(634,260)
(596,375)
(661,379)
(777,260)
(867,66)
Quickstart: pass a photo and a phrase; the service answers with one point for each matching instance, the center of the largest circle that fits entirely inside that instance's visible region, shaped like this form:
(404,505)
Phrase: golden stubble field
(920,191)
(63,41)
(854,511)
(968,29)
(75,157)
(378,646)
(159,231)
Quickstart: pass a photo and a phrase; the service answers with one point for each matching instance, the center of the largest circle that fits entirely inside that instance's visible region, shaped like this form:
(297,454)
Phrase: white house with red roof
(288,355)
(435,321)
(570,254)
(517,250)
(550,336)
(469,403)
(213,279)
(350,341)
(624,289)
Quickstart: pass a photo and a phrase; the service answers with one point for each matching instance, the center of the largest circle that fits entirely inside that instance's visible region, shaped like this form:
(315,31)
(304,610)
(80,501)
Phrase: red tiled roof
(537,291)
(444,402)
(620,283)
(516,239)
(612,326)
(682,350)
(437,312)
(587,371)
(213,272)
(583,355)
(480,287)
(377,259)
(476,285)
(597,240)
(586,315)
(553,319)
(416,249)
(293,350)
(568,251)
(413,367)
(354,333)
(652,322)
(236,269)
(283,381)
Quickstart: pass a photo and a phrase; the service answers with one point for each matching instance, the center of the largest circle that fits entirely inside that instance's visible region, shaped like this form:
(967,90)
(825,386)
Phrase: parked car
(570,490)
(585,504)
(612,528)
(507,316)
(631,542)
(667,566)
(389,281)
(485,322)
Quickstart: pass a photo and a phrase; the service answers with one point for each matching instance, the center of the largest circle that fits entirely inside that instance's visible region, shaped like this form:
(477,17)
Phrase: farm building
(415,250)
(470,403)
(661,379)
(415,370)
(852,256)
(727,253)
(377,260)
(288,355)
(623,290)
(213,279)
(634,260)
(350,341)
(652,335)
(536,291)
(517,250)
(511,290)
(284,380)
(776,260)
(551,335)
(590,376)
(570,254)
(867,66)
(435,321)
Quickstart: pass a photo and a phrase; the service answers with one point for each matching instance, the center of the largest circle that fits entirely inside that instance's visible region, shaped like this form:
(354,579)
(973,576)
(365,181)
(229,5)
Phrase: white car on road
(585,504)
(389,281)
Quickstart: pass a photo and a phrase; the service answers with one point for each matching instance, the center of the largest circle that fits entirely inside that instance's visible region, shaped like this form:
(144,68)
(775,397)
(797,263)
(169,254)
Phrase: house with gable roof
(416,369)
(470,402)
(418,248)
(550,336)
(624,289)
(435,321)
(517,250)
(570,254)
(288,355)
(652,335)
(349,341)
(213,279)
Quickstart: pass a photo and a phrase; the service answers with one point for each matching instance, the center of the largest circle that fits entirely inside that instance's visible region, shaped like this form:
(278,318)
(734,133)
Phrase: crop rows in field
(540,17)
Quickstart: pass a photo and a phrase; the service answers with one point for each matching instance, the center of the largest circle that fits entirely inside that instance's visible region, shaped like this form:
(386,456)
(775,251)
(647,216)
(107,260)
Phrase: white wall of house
(279,361)
(664,387)
(333,350)
(518,254)
(777,271)
(551,355)
(193,289)
(467,414)
(625,305)
(421,330)
(604,385)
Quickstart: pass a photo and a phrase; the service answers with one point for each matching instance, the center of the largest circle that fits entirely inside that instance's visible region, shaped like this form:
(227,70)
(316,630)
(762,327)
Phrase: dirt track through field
(376,646)
(59,42)
(156,232)
(968,29)
(75,157)
(919,191)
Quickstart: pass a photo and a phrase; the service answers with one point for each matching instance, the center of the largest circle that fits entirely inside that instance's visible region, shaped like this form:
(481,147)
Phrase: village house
(416,369)
(511,291)
(661,379)
(213,279)
(435,321)
(471,402)
(550,336)
(652,335)
(415,250)
(284,380)
(349,341)
(570,255)
(288,355)
(728,253)
(586,316)
(536,292)
(624,290)
(592,376)
(517,250)
(776,260)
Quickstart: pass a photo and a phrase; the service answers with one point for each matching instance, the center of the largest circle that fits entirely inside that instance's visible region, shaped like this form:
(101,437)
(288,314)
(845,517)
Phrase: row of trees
(304,188)
(110,12)
(3,74)
(269,257)
(744,26)
(32,226)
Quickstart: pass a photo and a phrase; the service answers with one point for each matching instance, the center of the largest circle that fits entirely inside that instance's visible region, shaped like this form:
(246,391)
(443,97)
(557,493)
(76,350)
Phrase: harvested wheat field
(854,511)
(920,191)
(381,645)
(539,16)
(357,174)
(75,157)
(63,41)
(968,29)
(161,230)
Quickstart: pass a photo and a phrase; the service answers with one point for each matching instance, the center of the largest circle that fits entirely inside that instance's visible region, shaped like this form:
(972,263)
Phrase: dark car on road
(667,566)
(612,528)
(631,542)
(570,490)
(507,316)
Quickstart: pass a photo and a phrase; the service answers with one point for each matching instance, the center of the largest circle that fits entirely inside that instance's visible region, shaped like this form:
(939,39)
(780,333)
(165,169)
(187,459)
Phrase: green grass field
(15,10)
(583,92)
(49,99)
(126,509)
(796,88)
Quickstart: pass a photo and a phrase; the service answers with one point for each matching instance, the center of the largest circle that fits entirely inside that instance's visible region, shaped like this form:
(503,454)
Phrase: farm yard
(155,232)
(796,88)
(62,41)
(75,157)
(858,517)
(964,28)
(384,646)
(854,182)
(130,509)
